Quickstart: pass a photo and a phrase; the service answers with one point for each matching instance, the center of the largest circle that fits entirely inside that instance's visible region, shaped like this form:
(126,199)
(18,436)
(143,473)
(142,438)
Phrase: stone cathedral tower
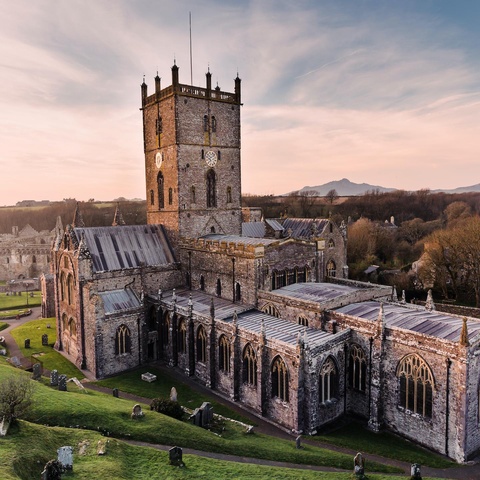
(192,157)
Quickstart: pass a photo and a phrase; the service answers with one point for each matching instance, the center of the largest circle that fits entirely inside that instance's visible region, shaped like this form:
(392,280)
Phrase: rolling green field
(13,305)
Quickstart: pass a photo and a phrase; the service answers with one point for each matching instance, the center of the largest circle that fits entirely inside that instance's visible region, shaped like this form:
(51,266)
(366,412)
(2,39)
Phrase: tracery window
(182,337)
(122,340)
(211,189)
(224,354)
(249,366)
(416,385)
(72,327)
(357,368)
(331,243)
(205,123)
(214,124)
(303,321)
(271,310)
(201,345)
(328,381)
(70,289)
(331,269)
(279,379)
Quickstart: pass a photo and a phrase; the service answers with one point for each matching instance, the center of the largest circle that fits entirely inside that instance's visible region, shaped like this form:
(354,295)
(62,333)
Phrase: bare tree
(307,200)
(331,195)
(16,392)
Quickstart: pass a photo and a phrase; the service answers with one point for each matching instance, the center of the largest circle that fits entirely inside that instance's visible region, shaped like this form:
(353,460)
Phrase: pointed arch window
(331,269)
(249,366)
(271,310)
(214,124)
(160,188)
(279,379)
(205,123)
(229,194)
(331,243)
(219,288)
(416,385)
(328,381)
(202,282)
(238,292)
(122,340)
(192,194)
(182,337)
(357,368)
(201,345)
(211,189)
(303,321)
(72,327)
(224,354)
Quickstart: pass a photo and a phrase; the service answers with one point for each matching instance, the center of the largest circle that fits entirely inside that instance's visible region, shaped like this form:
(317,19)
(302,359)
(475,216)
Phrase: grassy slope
(47,355)
(20,301)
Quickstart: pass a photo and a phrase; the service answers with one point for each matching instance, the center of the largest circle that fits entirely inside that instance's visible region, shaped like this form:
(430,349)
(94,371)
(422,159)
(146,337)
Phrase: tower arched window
(279,379)
(328,388)
(357,368)
(205,123)
(214,124)
(182,337)
(249,366)
(122,340)
(170,196)
(201,345)
(152,197)
(192,194)
(161,187)
(224,354)
(229,194)
(159,125)
(34,259)
(219,288)
(238,292)
(211,189)
(416,385)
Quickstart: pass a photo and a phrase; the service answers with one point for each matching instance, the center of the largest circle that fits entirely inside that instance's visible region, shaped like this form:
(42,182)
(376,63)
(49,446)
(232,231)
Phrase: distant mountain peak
(345,188)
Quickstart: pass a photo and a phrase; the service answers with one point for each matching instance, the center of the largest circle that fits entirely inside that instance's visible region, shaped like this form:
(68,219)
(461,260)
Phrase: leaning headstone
(37,371)
(359,466)
(102,447)
(27,343)
(175,455)
(137,411)
(82,447)
(45,339)
(65,457)
(298,442)
(416,471)
(115,392)
(54,378)
(62,383)
(196,417)
(207,413)
(173,394)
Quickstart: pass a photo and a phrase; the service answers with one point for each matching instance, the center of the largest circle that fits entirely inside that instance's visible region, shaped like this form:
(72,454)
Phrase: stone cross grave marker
(65,457)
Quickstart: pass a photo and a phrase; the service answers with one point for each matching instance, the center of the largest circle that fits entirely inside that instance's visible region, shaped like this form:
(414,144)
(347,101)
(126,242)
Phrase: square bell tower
(192,157)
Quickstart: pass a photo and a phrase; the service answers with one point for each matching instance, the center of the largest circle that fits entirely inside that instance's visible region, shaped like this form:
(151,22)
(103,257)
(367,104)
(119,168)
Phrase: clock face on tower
(211,158)
(158,159)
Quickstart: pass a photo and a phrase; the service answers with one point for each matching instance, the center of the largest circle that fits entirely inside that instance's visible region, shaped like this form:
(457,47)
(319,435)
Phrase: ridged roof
(303,227)
(432,323)
(315,292)
(239,239)
(119,300)
(129,246)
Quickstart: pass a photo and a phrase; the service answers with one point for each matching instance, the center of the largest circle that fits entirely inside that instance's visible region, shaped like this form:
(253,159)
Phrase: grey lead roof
(315,292)
(253,229)
(126,246)
(249,318)
(435,324)
(302,227)
(119,300)
(239,239)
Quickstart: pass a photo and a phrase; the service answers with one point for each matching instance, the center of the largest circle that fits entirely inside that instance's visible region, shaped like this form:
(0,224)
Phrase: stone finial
(190,301)
(394,294)
(429,305)
(212,309)
(174,296)
(118,217)
(343,229)
(77,218)
(263,331)
(160,293)
(59,226)
(404,299)
(464,334)
(235,318)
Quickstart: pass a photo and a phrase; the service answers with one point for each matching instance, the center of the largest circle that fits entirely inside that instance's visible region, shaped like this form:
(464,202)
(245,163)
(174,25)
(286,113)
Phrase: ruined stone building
(260,311)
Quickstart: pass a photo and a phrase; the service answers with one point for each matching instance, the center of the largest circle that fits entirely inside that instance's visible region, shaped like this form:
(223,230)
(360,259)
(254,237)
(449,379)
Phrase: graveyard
(67,414)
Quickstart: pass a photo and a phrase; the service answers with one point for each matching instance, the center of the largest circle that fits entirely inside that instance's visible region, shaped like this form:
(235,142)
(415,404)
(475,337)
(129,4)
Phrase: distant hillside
(346,188)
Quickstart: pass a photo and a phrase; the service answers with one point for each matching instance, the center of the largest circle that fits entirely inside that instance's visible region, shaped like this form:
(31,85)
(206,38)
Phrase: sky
(385,92)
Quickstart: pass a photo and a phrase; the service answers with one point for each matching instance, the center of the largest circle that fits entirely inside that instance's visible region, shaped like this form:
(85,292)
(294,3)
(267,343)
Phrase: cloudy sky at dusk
(378,91)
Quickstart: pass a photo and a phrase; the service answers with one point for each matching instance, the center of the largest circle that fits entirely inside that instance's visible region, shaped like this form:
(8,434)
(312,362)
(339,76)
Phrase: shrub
(167,407)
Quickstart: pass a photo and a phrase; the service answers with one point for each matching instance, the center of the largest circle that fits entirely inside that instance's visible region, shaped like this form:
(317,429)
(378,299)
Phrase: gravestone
(3,352)
(48,325)
(54,378)
(52,470)
(115,392)
(62,383)
(298,442)
(45,340)
(102,447)
(137,411)
(65,457)
(196,417)
(16,361)
(175,455)
(359,466)
(37,371)
(27,343)
(416,471)
(148,377)
(173,394)
(207,414)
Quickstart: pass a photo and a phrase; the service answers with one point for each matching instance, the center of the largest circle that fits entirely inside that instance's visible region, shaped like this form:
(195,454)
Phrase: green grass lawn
(3,326)
(131,382)
(46,354)
(16,302)
(384,444)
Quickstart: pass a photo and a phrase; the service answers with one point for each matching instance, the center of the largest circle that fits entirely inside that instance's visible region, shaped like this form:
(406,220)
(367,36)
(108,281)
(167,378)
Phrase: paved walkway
(465,472)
